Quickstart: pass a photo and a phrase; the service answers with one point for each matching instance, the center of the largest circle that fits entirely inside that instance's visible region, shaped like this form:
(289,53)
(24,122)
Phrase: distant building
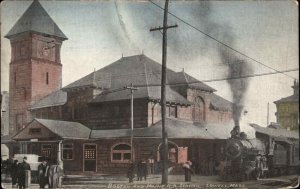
(89,119)
(288,109)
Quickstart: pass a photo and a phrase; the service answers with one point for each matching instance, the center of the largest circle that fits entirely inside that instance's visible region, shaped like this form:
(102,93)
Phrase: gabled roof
(36,19)
(143,73)
(94,79)
(175,128)
(279,132)
(191,82)
(66,129)
(57,128)
(54,99)
(152,93)
(292,98)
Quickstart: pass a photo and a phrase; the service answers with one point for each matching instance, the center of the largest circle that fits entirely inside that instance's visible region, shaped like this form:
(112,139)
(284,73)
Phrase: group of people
(141,170)
(17,171)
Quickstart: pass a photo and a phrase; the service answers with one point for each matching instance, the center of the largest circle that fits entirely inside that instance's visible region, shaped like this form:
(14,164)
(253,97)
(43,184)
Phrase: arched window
(121,153)
(199,109)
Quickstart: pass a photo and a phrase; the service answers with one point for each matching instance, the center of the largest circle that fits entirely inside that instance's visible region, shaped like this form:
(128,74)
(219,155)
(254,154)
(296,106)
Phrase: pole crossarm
(161,28)
(131,87)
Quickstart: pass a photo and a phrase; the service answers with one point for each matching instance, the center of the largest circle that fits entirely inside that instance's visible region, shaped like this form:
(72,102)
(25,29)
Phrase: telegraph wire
(204,81)
(220,42)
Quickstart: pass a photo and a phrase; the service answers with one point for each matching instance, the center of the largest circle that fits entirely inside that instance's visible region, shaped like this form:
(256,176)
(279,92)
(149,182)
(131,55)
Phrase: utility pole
(131,88)
(164,154)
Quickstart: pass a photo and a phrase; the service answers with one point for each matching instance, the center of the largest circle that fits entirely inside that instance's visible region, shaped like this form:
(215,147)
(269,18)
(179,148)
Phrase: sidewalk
(153,182)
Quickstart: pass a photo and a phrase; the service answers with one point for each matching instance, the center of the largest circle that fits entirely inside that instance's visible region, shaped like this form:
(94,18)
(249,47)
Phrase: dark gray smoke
(182,39)
(236,67)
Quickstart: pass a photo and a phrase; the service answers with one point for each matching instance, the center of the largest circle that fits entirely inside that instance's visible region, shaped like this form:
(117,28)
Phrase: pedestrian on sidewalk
(2,171)
(42,171)
(22,168)
(130,172)
(144,169)
(14,173)
(140,170)
(187,171)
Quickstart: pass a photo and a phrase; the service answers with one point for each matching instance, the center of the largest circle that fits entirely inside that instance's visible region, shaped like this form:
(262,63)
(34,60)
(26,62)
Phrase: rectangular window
(173,111)
(47,78)
(46,150)
(67,151)
(89,151)
(117,156)
(34,131)
(127,156)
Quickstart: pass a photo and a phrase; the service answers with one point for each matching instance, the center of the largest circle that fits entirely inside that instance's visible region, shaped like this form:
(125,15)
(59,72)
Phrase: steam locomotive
(258,158)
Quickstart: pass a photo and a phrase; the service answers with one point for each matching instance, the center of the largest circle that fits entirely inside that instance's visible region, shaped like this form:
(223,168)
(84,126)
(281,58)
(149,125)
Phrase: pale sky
(99,32)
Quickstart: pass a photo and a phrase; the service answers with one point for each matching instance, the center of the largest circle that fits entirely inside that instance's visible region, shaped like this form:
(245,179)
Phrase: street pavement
(175,181)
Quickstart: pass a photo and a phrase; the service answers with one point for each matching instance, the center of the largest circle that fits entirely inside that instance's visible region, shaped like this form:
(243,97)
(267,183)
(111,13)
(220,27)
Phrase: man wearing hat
(22,168)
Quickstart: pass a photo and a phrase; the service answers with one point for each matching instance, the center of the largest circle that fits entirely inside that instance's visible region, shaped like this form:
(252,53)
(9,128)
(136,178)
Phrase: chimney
(296,87)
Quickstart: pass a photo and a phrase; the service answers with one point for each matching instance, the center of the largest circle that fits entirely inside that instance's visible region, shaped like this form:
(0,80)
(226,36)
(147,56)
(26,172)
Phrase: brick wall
(35,71)
(110,115)
(198,150)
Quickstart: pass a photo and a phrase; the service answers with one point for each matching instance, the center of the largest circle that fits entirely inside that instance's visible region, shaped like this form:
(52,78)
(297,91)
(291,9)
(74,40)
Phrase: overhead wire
(203,81)
(220,42)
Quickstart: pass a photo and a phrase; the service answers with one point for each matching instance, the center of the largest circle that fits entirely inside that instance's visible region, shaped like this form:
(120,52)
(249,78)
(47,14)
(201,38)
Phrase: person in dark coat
(140,171)
(187,171)
(130,172)
(42,170)
(144,169)
(2,171)
(14,173)
(22,168)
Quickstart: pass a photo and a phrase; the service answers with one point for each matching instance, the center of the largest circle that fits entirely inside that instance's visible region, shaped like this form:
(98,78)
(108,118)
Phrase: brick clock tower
(35,67)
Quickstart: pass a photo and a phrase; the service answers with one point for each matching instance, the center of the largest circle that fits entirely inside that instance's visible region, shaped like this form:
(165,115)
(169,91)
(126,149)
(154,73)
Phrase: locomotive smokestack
(235,132)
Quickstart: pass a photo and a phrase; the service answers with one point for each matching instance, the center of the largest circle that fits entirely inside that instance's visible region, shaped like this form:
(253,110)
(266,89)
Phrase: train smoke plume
(235,64)
(236,67)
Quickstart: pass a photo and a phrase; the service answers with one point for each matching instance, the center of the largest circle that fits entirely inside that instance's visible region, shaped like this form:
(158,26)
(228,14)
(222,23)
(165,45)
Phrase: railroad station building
(88,122)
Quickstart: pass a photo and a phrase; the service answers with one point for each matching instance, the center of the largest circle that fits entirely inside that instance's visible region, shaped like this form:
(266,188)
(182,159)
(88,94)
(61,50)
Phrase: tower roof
(36,19)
